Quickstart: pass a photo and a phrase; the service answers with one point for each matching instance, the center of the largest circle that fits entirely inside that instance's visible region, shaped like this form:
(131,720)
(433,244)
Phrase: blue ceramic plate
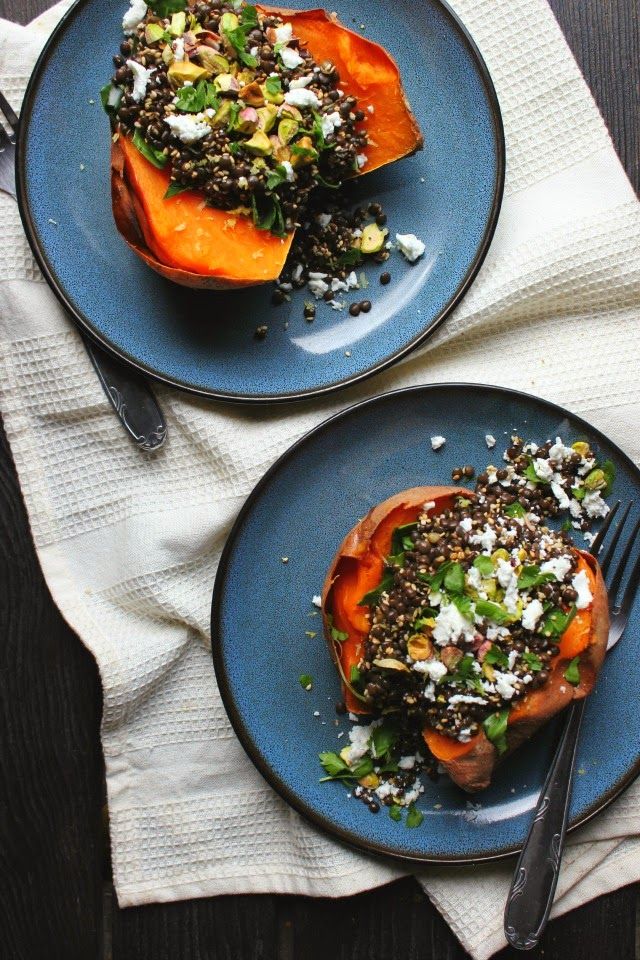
(449,195)
(262,611)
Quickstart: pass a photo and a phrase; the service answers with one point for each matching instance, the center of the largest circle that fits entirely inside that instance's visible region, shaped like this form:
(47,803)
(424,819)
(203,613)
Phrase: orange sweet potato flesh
(199,246)
(357,568)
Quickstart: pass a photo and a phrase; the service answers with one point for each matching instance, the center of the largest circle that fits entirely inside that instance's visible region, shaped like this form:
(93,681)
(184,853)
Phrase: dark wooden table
(56,898)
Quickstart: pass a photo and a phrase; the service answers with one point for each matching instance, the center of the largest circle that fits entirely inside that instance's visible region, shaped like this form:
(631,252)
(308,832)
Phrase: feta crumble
(580,584)
(292,59)
(490,440)
(301,97)
(187,127)
(134,15)
(437,442)
(410,246)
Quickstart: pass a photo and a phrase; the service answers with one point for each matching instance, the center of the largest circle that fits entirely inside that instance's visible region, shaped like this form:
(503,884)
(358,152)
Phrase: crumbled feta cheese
(531,448)
(318,288)
(410,246)
(291,59)
(134,15)
(297,272)
(359,740)
(300,82)
(187,127)
(492,475)
(509,582)
(465,735)
(559,452)
(410,796)
(352,281)
(559,566)
(531,614)
(179,53)
(580,584)
(505,684)
(437,442)
(490,440)
(574,508)
(407,763)
(316,601)
(301,98)
(361,160)
(474,578)
(586,466)
(324,219)
(284,33)
(451,625)
(140,79)
(330,122)
(430,692)
(513,656)
(594,505)
(464,698)
(493,632)
(433,668)
(486,539)
(466,524)
(543,469)
(589,538)
(371,108)
(563,500)
(288,169)
(385,789)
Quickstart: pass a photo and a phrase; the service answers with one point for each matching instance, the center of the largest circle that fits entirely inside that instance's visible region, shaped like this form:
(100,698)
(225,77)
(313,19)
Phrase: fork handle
(536,874)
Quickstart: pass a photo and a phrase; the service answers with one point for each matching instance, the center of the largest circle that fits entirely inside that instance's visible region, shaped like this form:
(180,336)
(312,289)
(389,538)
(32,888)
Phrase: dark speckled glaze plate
(449,195)
(262,609)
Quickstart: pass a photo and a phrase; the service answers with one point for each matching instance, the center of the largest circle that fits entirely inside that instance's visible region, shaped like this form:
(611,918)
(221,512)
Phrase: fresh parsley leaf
(156,157)
(249,17)
(302,151)
(572,673)
(496,657)
(609,469)
(399,535)
(396,559)
(191,99)
(414,816)
(532,577)
(395,812)
(530,474)
(267,214)
(164,8)
(276,177)
(338,636)
(454,578)
(464,670)
(493,611)
(273,86)
(333,764)
(515,509)
(350,258)
(354,675)
(556,622)
(436,580)
(464,605)
(238,40)
(565,525)
(484,565)
(532,661)
(495,727)
(579,493)
(362,768)
(306,681)
(383,740)
(371,598)
(317,132)
(174,189)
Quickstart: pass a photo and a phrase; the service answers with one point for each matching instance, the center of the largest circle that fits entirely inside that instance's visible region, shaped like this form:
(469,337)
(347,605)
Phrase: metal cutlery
(536,874)
(129,394)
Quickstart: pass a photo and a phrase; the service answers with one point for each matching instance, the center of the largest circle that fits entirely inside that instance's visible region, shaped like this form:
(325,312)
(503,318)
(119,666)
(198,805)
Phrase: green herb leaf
(395,812)
(277,177)
(530,474)
(556,622)
(495,727)
(609,469)
(383,740)
(395,560)
(464,671)
(164,8)
(249,17)
(338,636)
(515,509)
(350,258)
(156,157)
(302,151)
(191,99)
(325,183)
(174,189)
(414,816)
(454,578)
(437,579)
(572,673)
(532,661)
(464,605)
(273,86)
(484,565)
(306,681)
(532,577)
(362,768)
(565,525)
(267,214)
(333,764)
(371,598)
(400,534)
(579,493)
(493,611)
(354,675)
(238,40)
(496,657)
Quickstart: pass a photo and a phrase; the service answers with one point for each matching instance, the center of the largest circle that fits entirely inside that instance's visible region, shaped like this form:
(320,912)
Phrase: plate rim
(83,322)
(307,811)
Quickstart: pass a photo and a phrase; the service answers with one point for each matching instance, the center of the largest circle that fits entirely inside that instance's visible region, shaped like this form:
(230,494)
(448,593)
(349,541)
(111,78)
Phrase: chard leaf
(156,157)
(371,598)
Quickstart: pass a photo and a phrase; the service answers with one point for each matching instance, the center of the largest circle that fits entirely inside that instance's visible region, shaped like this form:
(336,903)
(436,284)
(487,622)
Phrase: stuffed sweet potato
(459,614)
(226,117)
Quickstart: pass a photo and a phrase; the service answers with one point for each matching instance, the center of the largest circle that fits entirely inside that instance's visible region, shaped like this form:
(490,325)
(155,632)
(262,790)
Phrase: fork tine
(616,579)
(4,138)
(610,549)
(10,114)
(597,543)
(630,590)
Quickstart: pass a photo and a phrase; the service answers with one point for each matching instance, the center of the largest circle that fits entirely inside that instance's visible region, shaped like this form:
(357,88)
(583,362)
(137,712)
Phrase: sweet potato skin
(473,770)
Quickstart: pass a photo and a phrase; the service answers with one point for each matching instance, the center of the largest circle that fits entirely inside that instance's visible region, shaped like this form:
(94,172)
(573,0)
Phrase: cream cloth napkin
(129,543)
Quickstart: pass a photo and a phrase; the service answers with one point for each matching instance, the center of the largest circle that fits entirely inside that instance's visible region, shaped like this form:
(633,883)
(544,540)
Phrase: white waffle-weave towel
(129,544)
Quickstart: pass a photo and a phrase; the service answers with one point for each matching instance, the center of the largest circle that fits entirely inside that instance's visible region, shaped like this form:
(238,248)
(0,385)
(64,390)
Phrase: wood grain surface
(56,901)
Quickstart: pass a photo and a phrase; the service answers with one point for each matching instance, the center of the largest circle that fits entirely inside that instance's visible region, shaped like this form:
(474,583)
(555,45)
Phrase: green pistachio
(228,22)
(225,82)
(581,447)
(271,97)
(595,480)
(287,130)
(259,144)
(153,32)
(267,117)
(167,54)
(178,24)
(182,70)
(290,113)
(222,114)
(373,238)
(213,62)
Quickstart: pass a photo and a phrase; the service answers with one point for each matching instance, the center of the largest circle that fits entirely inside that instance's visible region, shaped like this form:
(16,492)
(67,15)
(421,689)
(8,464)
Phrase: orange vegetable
(201,246)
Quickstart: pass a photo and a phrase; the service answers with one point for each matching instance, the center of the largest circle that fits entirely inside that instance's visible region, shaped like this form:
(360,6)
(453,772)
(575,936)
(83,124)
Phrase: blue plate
(449,195)
(262,611)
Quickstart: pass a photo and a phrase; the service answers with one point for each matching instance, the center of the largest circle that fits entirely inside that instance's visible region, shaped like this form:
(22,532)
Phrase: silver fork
(129,395)
(536,874)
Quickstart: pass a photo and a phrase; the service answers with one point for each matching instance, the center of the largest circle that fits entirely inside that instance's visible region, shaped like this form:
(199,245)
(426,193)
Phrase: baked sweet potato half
(200,245)
(509,637)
